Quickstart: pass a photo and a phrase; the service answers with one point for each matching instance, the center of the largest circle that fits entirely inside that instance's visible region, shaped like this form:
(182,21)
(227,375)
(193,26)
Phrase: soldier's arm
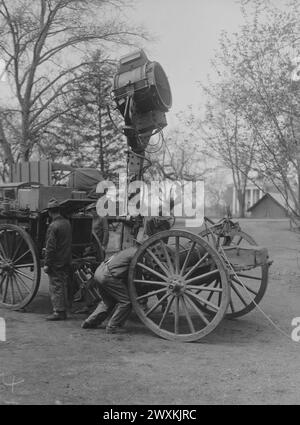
(50,247)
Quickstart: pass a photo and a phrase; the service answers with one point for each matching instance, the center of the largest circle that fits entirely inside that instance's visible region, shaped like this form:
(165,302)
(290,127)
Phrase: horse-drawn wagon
(181,284)
(23,228)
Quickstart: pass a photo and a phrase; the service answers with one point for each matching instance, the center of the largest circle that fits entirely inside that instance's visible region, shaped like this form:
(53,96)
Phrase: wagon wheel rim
(174,303)
(19,268)
(247,287)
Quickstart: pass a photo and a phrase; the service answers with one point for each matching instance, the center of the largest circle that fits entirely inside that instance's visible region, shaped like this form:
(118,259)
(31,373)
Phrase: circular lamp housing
(144,81)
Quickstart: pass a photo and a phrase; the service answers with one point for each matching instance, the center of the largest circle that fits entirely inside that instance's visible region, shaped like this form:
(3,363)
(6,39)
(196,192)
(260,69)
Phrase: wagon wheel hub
(176,285)
(7,267)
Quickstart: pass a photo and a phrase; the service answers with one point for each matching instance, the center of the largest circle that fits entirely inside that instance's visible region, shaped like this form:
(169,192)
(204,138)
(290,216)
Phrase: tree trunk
(8,157)
(241,200)
(24,146)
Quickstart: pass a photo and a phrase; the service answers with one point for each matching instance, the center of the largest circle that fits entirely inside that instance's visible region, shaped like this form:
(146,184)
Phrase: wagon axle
(7,267)
(176,285)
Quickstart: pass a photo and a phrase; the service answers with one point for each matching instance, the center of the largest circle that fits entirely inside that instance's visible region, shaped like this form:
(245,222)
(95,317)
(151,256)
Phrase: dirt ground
(244,361)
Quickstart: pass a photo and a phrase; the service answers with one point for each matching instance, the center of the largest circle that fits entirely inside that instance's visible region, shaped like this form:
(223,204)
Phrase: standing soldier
(58,260)
(100,226)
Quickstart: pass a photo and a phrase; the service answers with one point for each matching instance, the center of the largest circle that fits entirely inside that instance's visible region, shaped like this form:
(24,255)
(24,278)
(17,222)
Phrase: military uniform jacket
(58,244)
(119,263)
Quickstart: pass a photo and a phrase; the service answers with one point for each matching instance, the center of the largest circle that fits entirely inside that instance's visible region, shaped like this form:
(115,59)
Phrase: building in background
(269,206)
(252,195)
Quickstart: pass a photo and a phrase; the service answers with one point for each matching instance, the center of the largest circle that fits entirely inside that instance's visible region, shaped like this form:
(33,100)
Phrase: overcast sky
(188,32)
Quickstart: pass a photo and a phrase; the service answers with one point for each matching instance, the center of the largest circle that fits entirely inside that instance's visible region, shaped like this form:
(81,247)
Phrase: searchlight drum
(142,92)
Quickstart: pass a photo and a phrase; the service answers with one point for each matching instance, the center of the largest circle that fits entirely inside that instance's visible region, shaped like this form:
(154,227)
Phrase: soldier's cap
(52,203)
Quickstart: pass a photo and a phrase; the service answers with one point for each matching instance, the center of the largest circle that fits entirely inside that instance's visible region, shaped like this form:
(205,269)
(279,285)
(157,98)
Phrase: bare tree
(180,155)
(35,37)
(227,135)
(253,111)
(88,135)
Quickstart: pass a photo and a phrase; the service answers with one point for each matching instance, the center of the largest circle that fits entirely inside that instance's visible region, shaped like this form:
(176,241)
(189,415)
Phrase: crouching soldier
(111,280)
(58,257)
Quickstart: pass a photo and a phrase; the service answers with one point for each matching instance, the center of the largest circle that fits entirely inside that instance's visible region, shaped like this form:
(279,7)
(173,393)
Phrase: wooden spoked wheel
(172,277)
(19,267)
(248,286)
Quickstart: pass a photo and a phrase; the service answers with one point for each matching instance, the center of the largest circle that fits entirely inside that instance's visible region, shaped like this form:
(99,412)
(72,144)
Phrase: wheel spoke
(203,301)
(158,262)
(5,291)
(2,252)
(23,283)
(248,276)
(239,295)
(151,271)
(23,255)
(197,310)
(176,319)
(12,290)
(17,249)
(244,286)
(187,315)
(206,285)
(18,288)
(203,276)
(204,288)
(231,306)
(2,280)
(20,266)
(150,282)
(170,301)
(177,255)
(211,294)
(150,294)
(187,258)
(24,274)
(154,307)
(196,265)
(171,267)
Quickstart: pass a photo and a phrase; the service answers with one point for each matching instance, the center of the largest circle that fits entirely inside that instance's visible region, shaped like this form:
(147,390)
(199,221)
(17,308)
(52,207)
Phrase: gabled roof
(279,201)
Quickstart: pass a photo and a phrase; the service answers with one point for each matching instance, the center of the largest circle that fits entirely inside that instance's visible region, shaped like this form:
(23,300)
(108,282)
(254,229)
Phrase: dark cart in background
(23,227)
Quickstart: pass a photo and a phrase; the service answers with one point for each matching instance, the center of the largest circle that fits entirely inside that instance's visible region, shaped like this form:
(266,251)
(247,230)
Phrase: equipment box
(37,198)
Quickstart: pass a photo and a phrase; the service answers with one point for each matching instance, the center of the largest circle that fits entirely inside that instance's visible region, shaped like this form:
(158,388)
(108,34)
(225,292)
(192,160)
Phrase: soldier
(111,280)
(58,260)
(100,226)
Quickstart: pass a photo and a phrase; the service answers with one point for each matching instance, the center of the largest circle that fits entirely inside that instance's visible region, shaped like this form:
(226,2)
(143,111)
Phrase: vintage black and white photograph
(149,205)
